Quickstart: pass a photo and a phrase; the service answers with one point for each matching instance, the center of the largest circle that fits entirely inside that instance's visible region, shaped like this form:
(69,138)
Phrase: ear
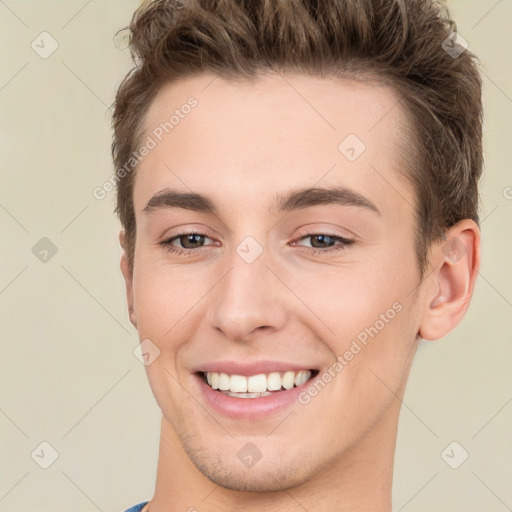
(456,264)
(128,278)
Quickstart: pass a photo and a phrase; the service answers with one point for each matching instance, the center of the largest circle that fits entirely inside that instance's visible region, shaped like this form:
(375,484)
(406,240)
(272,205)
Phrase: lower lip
(249,408)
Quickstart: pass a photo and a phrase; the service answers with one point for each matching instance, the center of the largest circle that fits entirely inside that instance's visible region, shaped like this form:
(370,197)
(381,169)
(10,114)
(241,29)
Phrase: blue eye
(324,238)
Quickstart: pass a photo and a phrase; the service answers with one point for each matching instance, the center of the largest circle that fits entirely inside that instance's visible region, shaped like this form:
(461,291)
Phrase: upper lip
(248,368)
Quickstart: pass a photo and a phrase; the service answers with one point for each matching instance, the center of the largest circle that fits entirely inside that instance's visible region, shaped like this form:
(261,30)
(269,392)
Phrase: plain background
(69,376)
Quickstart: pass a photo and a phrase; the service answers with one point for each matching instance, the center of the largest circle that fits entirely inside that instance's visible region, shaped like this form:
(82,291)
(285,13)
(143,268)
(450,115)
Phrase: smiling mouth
(256,386)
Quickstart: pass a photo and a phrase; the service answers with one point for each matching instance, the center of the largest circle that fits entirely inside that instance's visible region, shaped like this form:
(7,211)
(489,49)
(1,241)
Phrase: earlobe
(452,282)
(128,279)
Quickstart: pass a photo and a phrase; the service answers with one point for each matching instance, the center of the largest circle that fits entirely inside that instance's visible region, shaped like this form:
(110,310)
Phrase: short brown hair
(403,42)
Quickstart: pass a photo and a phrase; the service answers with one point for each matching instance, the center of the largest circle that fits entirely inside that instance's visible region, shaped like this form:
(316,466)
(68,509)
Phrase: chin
(268,474)
(251,480)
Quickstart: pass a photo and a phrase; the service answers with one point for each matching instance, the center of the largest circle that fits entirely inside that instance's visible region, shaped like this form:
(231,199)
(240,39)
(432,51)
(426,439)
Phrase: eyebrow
(292,200)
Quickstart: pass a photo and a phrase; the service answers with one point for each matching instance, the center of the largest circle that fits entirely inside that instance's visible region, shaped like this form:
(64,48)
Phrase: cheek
(385,347)
(348,299)
(168,310)
(371,316)
(374,372)
(161,300)
(160,310)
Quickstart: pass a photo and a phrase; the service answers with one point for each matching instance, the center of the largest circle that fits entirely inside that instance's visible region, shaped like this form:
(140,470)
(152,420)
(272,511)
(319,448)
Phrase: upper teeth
(257,383)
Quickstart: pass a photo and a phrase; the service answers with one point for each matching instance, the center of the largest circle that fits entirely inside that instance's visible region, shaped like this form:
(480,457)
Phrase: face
(244,277)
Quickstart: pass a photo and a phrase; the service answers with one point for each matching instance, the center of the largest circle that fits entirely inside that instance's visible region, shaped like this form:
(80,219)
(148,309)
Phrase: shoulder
(137,508)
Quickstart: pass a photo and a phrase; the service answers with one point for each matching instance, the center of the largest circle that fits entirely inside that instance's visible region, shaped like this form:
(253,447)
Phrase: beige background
(68,373)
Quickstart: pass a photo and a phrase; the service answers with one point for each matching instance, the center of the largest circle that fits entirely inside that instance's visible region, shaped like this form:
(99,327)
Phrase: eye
(193,241)
(322,239)
(189,242)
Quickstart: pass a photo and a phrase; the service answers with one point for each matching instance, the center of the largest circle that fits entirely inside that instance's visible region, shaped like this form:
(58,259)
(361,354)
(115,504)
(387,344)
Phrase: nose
(249,299)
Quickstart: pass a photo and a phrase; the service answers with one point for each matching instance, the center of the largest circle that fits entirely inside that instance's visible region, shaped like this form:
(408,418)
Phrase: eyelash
(345,242)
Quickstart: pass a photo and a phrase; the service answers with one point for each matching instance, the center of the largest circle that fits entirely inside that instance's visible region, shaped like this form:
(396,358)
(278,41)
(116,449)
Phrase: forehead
(247,140)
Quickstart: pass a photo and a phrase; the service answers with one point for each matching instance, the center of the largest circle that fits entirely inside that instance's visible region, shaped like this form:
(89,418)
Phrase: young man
(298,191)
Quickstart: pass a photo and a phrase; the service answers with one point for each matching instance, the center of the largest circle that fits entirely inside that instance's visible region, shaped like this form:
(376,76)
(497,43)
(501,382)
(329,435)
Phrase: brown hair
(402,42)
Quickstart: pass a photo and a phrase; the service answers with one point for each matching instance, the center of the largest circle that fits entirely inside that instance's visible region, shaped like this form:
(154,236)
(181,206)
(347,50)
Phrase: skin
(243,143)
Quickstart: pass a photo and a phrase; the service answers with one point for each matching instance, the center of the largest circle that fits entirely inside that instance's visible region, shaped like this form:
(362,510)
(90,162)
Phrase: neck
(359,480)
